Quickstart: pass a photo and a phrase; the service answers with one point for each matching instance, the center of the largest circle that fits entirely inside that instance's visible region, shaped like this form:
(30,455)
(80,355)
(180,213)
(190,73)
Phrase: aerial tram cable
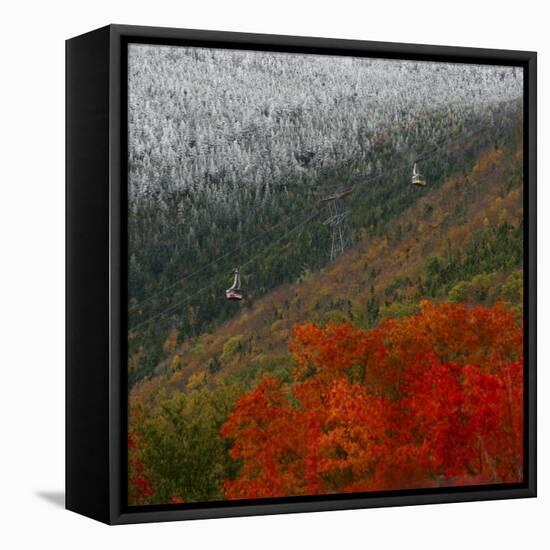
(417,179)
(213,262)
(215,280)
(346,192)
(424,156)
(219,277)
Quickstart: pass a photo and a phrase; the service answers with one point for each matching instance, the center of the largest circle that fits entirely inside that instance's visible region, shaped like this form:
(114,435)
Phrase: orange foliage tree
(435,399)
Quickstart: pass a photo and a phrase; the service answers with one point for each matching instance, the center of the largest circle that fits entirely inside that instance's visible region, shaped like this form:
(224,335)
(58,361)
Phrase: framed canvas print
(301,274)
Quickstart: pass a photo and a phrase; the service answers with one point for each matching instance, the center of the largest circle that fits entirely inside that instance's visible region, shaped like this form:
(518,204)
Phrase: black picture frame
(96,273)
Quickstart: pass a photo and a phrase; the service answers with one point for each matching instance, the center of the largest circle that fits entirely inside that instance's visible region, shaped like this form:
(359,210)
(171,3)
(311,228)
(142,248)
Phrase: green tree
(182,449)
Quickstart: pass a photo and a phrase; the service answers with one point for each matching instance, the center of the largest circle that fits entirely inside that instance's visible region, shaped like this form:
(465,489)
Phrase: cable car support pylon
(338,222)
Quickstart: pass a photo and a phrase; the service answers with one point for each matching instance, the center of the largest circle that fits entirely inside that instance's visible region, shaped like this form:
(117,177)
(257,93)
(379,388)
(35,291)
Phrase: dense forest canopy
(229,149)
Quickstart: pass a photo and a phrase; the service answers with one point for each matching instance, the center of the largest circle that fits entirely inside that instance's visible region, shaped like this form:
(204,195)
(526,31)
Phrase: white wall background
(32,273)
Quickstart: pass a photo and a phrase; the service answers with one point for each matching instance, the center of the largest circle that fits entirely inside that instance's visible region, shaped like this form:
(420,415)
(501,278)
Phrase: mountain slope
(220,145)
(461,241)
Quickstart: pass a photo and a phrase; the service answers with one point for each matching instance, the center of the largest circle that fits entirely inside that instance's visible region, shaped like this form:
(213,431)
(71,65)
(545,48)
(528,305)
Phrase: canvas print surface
(325,275)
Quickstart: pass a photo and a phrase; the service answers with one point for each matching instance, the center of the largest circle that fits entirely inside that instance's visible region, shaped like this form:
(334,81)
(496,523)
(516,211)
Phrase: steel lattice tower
(338,222)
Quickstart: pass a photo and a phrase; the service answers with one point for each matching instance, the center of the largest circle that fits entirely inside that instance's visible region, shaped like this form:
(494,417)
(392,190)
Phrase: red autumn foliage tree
(140,487)
(435,399)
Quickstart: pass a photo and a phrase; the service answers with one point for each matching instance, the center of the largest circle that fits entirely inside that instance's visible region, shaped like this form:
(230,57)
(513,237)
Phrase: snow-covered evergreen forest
(228,149)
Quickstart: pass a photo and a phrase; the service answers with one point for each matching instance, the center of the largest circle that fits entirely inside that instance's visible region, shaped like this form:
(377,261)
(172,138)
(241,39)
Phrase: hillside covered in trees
(229,151)
(369,373)
(396,363)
